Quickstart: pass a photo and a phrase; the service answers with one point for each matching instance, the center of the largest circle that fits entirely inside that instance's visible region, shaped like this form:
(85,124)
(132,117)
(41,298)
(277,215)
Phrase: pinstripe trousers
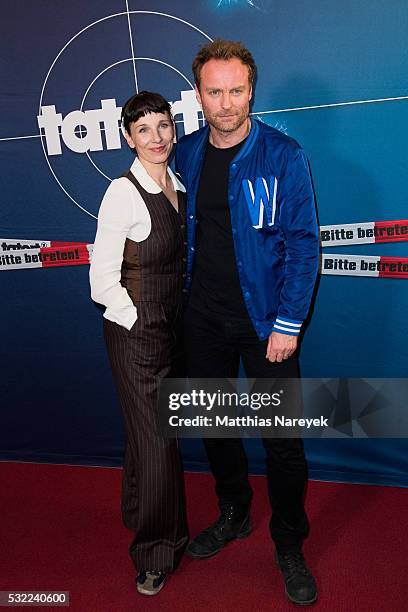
(153,498)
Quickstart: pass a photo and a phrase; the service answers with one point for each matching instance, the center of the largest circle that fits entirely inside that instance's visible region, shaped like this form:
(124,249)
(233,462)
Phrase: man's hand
(280,346)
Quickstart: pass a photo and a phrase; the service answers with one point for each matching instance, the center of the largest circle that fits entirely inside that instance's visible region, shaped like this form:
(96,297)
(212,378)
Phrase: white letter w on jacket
(260,199)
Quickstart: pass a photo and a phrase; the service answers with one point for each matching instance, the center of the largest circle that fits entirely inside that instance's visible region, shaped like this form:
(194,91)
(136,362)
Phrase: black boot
(299,582)
(233,523)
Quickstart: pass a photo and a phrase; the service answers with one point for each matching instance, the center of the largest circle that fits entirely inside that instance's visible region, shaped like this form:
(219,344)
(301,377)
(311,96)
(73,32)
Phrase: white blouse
(123,214)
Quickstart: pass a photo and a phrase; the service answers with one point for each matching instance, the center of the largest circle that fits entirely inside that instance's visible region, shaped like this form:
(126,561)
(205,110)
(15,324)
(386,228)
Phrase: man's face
(224,94)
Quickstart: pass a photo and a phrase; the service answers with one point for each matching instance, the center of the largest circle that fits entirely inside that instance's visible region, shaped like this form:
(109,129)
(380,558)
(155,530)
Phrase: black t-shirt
(215,285)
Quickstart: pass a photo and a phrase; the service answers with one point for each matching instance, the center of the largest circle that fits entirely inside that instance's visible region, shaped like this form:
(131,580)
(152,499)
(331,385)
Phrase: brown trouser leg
(153,500)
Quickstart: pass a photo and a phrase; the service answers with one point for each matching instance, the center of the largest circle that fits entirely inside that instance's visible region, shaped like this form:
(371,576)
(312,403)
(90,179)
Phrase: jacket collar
(149,184)
(250,141)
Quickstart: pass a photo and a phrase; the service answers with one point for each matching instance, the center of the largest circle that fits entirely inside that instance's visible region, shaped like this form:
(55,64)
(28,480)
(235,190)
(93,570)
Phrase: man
(251,268)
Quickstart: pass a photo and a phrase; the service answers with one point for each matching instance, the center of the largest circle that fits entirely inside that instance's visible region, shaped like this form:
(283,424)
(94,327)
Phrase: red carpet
(61,530)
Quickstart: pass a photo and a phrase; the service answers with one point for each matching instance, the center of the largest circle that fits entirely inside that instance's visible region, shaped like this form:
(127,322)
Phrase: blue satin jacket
(273,222)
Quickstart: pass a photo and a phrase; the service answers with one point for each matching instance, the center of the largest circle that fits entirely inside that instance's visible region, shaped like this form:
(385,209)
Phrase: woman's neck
(158,172)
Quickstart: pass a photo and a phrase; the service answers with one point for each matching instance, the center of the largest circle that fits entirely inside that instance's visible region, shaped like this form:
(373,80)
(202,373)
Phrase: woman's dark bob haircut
(142,104)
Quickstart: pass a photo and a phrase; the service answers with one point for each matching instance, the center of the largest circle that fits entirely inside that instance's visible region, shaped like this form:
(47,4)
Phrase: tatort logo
(87,133)
(81,131)
(261,198)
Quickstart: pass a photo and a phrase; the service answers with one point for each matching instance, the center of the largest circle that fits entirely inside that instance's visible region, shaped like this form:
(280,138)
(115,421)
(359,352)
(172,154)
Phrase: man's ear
(197,94)
(250,92)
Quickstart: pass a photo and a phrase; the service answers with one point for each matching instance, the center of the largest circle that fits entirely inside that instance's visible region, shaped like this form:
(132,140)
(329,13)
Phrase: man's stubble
(226,127)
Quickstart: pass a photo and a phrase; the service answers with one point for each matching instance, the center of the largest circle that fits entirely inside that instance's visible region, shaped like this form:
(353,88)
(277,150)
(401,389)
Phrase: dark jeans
(214,346)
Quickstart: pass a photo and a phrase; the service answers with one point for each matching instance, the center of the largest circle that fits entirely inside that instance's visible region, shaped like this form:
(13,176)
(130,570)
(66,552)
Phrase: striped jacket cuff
(287,326)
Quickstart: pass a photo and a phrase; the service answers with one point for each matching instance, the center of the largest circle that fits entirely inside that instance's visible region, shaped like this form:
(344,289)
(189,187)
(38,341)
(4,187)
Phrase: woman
(137,273)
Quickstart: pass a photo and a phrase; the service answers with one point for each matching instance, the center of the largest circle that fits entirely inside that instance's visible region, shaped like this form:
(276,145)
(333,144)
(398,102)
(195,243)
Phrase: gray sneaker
(150,583)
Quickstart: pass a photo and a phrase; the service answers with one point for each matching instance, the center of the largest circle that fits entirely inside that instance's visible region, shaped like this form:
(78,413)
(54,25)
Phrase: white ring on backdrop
(130,59)
(127,13)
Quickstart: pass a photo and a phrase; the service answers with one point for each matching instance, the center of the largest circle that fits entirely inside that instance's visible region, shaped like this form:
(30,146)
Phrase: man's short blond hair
(221,49)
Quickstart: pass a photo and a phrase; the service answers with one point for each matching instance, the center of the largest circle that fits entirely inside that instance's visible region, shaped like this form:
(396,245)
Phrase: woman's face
(152,136)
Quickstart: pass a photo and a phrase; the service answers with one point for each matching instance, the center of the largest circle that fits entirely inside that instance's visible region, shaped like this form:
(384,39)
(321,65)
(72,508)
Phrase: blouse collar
(149,184)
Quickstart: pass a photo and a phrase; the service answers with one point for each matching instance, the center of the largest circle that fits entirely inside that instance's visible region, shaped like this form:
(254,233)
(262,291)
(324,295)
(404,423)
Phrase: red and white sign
(364,233)
(364,265)
(17,254)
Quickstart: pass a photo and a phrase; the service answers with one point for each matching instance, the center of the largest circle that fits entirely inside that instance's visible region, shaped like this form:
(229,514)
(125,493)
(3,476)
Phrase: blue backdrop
(60,61)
